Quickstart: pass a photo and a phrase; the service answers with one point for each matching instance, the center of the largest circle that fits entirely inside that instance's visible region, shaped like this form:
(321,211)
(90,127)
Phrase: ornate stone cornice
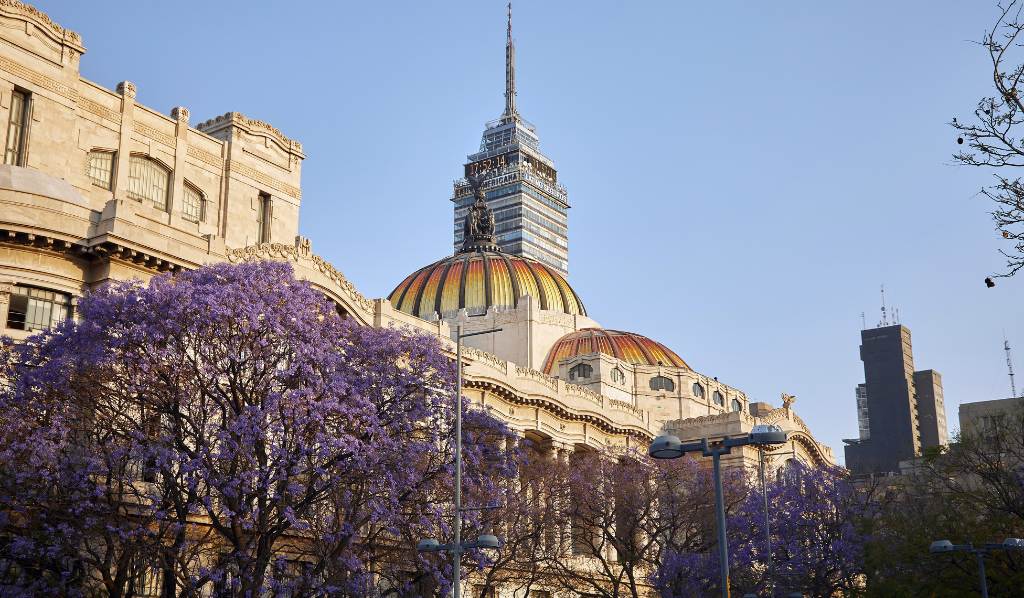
(253,126)
(100,251)
(605,425)
(301,252)
(41,18)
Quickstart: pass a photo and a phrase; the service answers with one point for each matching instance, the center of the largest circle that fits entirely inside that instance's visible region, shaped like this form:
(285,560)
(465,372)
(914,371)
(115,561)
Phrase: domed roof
(627,346)
(479,278)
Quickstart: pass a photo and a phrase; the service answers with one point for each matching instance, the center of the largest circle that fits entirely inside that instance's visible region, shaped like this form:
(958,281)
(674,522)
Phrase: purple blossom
(311,449)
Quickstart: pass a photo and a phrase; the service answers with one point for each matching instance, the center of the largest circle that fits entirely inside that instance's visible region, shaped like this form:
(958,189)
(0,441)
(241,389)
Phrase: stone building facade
(97,187)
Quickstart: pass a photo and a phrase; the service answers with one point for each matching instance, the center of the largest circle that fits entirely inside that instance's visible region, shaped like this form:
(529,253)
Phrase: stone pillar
(5,300)
(562,453)
(176,196)
(120,182)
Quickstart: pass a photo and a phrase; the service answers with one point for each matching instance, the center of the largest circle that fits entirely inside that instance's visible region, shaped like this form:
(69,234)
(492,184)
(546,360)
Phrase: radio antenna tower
(885,319)
(1009,367)
(863,322)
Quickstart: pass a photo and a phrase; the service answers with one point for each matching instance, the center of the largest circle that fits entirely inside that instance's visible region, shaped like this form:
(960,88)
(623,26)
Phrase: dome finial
(478,228)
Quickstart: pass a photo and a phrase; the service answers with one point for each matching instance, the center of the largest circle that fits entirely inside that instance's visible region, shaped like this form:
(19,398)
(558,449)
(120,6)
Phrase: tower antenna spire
(510,72)
(1009,366)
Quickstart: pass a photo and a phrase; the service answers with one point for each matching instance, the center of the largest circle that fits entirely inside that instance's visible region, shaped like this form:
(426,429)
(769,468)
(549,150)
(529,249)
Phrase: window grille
(148,180)
(100,168)
(33,309)
(662,383)
(581,370)
(192,204)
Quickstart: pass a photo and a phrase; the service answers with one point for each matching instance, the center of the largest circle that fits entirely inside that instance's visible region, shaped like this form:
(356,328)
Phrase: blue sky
(743,175)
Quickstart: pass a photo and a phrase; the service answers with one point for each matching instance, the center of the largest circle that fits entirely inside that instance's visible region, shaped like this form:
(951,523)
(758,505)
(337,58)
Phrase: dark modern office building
(904,408)
(931,409)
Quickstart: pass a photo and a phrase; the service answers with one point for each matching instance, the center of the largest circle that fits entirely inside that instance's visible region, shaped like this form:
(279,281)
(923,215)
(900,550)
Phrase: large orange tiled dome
(480,278)
(627,346)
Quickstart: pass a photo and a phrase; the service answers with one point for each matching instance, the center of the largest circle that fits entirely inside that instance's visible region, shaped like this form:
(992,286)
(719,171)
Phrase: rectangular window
(100,168)
(17,128)
(264,216)
(192,205)
(36,309)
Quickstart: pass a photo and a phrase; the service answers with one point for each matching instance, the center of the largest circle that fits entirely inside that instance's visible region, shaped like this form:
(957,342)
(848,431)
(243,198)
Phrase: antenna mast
(510,72)
(1009,366)
(885,320)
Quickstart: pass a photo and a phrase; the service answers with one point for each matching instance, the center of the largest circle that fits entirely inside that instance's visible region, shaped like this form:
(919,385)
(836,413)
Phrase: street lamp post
(670,447)
(767,529)
(942,546)
(457,546)
(762,452)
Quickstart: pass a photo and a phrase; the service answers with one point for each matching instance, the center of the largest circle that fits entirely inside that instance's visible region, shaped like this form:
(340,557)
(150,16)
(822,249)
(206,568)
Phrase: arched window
(580,370)
(737,405)
(618,376)
(718,398)
(192,204)
(100,167)
(662,383)
(33,308)
(698,390)
(148,180)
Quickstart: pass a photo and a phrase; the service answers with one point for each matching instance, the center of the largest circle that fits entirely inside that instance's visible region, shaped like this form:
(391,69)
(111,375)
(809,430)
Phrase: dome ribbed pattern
(627,346)
(479,279)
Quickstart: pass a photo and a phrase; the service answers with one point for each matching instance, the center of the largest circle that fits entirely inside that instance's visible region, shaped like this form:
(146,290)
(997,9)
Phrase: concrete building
(981,417)
(931,409)
(521,184)
(904,409)
(96,187)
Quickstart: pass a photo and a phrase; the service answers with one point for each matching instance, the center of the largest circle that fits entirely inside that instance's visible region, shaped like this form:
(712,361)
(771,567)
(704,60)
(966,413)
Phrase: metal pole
(723,545)
(767,529)
(981,571)
(457,560)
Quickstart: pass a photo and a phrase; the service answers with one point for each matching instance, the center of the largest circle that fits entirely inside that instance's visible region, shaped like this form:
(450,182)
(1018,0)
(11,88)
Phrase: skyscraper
(904,409)
(530,207)
(931,408)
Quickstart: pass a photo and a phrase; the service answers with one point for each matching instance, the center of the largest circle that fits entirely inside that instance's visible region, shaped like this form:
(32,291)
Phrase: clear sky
(743,175)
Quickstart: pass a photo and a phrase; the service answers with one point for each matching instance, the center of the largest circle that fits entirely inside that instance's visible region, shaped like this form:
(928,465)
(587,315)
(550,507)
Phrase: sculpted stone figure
(479,223)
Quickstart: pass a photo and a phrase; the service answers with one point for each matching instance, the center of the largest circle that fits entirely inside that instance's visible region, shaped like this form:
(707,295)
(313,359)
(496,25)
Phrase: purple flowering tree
(224,429)
(688,562)
(815,517)
(624,510)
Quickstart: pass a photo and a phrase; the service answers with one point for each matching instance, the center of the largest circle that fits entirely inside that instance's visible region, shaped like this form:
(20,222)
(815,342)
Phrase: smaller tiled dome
(627,346)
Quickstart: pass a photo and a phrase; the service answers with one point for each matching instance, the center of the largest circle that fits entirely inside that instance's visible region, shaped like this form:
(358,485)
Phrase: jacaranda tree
(816,518)
(226,430)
